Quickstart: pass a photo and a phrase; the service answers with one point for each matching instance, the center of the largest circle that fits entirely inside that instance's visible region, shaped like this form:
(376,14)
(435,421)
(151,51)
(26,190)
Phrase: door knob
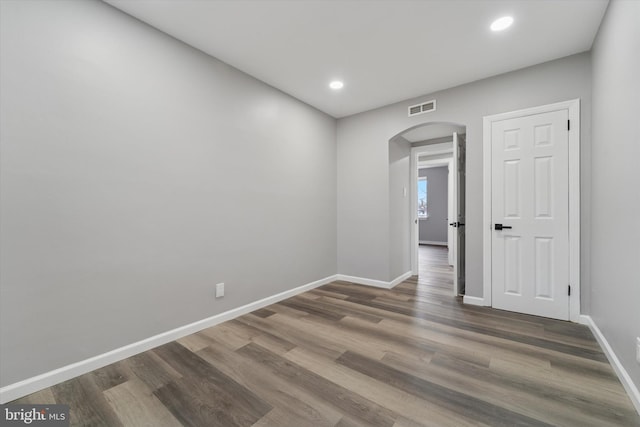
(502,227)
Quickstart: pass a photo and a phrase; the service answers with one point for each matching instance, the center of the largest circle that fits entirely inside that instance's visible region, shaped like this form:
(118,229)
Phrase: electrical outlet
(219,290)
(638,349)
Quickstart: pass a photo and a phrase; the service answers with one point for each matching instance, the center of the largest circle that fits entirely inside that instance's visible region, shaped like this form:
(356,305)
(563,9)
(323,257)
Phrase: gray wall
(364,242)
(399,191)
(615,202)
(137,172)
(436,226)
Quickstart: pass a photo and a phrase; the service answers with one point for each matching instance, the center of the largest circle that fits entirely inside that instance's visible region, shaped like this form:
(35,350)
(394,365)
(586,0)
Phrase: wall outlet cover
(638,349)
(219,290)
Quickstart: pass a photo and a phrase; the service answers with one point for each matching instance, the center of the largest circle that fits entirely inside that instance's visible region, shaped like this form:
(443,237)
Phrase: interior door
(450,216)
(530,214)
(457,174)
(460,191)
(453,221)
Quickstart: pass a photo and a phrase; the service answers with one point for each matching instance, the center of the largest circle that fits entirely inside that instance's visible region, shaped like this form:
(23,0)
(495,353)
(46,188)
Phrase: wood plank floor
(349,355)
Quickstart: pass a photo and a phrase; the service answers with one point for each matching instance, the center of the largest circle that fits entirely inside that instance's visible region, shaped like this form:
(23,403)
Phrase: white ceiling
(384,50)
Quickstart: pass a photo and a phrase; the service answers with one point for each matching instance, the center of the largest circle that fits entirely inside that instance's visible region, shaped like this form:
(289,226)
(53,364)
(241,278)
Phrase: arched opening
(427,199)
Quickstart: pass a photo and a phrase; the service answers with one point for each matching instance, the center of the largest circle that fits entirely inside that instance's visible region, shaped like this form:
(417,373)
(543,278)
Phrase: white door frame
(423,150)
(573,107)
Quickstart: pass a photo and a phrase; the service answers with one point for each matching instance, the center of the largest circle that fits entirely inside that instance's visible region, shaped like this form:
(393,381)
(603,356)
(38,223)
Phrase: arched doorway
(440,147)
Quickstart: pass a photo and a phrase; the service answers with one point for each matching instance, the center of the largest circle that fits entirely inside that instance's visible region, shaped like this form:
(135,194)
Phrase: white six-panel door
(529,194)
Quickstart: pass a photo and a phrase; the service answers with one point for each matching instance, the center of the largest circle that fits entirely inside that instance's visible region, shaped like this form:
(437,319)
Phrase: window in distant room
(422,197)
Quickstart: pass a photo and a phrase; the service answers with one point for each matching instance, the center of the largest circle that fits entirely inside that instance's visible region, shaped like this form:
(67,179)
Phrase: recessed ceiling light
(502,23)
(336,84)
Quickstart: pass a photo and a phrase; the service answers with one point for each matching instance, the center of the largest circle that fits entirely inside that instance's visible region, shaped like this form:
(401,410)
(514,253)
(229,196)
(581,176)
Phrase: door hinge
(568,124)
(569,293)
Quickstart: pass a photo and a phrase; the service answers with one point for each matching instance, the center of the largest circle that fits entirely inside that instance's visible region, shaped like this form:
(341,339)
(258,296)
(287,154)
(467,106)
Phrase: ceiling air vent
(425,107)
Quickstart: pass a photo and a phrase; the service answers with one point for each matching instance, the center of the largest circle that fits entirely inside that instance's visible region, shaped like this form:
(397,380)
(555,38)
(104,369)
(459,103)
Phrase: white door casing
(532,185)
(416,152)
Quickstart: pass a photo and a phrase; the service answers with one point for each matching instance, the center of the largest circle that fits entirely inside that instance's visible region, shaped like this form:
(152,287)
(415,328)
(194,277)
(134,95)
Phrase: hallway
(434,271)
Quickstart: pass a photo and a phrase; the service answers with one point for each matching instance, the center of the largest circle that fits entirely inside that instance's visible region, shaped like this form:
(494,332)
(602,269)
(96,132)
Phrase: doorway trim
(437,163)
(573,108)
(416,152)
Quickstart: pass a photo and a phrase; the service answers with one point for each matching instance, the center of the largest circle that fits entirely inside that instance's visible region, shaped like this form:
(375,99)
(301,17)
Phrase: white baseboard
(363,281)
(432,242)
(373,282)
(400,279)
(473,300)
(48,379)
(624,377)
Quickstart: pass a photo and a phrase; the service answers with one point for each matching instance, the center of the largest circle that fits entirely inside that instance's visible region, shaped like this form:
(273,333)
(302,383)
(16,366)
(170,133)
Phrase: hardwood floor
(349,355)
